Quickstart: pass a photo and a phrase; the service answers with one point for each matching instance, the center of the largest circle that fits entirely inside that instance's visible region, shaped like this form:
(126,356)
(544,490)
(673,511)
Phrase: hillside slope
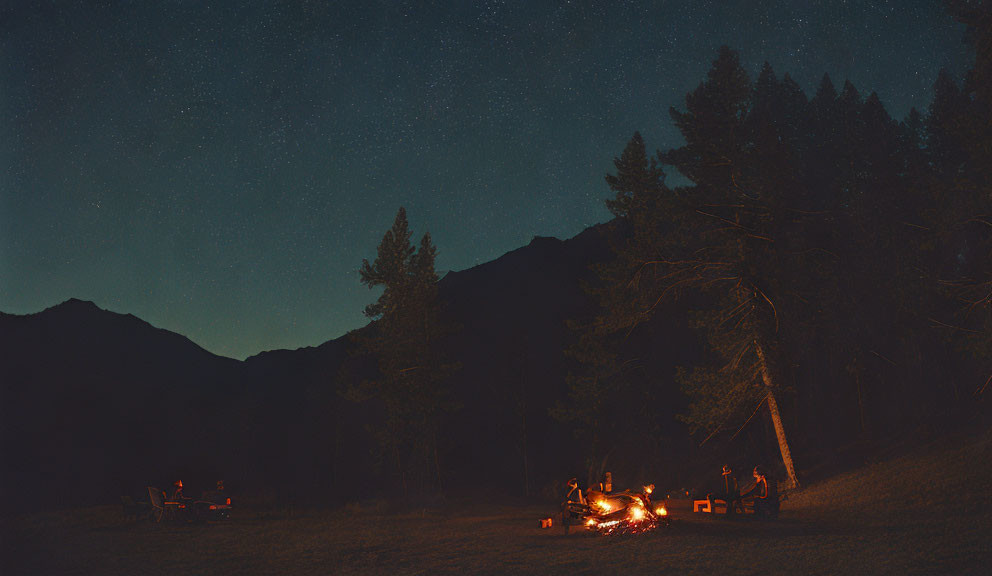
(924,512)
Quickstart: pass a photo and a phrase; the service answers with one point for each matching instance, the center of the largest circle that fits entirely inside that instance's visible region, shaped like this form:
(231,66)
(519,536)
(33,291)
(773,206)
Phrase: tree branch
(939,323)
(883,357)
(980,391)
(979,220)
(751,416)
(774,310)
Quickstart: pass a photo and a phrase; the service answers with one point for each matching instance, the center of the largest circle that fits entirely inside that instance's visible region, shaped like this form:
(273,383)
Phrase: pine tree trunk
(783,444)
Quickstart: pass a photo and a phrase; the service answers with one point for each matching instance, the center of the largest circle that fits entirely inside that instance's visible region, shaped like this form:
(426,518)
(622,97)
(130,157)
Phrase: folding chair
(161,508)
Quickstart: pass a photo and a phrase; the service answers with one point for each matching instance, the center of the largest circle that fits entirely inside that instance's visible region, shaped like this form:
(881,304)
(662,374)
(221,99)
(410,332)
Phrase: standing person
(731,491)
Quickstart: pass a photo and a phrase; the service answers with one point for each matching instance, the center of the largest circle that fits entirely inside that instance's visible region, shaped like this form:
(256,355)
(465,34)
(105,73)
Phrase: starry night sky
(221,171)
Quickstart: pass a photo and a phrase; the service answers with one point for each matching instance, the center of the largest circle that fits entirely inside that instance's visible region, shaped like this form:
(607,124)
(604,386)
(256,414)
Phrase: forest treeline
(834,263)
(832,256)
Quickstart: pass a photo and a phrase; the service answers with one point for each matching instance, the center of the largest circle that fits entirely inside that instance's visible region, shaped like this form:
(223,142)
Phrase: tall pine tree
(404,341)
(596,385)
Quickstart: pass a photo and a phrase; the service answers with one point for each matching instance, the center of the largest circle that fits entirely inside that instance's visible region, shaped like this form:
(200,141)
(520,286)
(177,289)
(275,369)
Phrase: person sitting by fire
(606,483)
(177,494)
(604,486)
(574,492)
(646,495)
(763,496)
(731,493)
(599,491)
(217,495)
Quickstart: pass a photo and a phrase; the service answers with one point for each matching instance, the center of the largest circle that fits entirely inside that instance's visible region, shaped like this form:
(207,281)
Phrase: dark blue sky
(220,171)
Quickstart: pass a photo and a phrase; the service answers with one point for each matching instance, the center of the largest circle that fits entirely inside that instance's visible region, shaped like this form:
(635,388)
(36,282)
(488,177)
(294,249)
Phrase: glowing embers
(623,526)
(635,519)
(627,512)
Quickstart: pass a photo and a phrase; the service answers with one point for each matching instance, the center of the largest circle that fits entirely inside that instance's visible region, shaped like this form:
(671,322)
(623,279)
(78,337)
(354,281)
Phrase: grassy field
(924,513)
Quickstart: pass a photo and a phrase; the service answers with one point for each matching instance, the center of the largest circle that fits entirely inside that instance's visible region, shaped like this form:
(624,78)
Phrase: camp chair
(161,508)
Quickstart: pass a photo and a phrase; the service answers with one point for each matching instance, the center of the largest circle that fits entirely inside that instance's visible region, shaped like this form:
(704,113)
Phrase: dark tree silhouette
(821,240)
(404,341)
(736,154)
(959,144)
(596,388)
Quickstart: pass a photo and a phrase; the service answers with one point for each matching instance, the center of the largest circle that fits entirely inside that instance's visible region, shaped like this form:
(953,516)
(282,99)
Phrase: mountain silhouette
(96,404)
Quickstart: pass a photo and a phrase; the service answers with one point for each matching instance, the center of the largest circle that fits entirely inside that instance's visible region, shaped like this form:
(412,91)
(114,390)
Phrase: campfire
(632,517)
(615,514)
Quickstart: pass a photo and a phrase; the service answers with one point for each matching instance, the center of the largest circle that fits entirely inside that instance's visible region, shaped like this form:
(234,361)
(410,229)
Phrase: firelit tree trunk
(783,444)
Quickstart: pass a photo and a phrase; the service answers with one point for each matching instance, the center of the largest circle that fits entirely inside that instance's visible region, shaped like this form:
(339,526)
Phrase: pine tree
(977,16)
(742,176)
(711,239)
(405,342)
(644,208)
(960,146)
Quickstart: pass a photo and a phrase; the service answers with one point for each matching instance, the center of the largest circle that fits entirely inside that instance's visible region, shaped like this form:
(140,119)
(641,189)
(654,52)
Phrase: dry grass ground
(925,513)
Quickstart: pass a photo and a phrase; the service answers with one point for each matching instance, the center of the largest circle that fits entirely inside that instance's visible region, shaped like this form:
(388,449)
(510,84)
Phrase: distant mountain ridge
(105,402)
(62,316)
(92,401)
